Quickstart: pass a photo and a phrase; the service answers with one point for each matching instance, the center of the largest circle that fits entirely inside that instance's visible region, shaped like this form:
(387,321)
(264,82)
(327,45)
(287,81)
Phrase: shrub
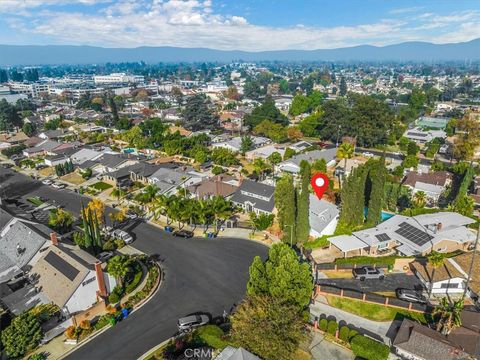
(119,243)
(108,245)
(71,332)
(103,321)
(113,298)
(369,349)
(13,150)
(210,335)
(85,325)
(38,356)
(134,283)
(323,324)
(332,327)
(352,334)
(344,333)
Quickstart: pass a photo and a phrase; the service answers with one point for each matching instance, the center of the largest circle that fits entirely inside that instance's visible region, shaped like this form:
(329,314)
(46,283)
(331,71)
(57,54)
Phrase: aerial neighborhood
(174,204)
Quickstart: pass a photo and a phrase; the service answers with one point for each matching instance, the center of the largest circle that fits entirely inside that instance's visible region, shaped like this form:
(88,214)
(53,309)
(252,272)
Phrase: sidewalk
(375,329)
(322,349)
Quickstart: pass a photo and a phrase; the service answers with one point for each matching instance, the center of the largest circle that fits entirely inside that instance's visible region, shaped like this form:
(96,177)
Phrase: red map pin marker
(320,184)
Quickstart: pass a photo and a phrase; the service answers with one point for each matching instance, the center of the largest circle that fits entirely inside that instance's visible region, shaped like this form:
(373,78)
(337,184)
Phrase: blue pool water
(385,215)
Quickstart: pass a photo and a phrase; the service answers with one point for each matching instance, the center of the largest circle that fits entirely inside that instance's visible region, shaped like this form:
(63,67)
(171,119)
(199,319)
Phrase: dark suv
(183,233)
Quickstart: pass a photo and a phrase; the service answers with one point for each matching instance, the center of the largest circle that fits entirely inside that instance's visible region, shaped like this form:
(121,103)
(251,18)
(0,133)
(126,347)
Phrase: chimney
(439,226)
(102,290)
(53,238)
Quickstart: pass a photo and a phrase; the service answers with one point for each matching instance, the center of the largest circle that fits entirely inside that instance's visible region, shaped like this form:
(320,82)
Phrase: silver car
(191,322)
(123,235)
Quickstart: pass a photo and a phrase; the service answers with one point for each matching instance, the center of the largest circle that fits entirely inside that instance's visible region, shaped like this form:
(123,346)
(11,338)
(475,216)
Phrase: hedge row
(362,346)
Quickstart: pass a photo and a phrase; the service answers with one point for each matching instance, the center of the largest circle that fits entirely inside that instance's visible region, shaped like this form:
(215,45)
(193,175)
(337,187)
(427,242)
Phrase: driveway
(200,276)
(322,349)
(390,283)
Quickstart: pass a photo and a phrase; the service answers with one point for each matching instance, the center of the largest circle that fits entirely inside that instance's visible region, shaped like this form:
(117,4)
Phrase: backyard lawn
(73,178)
(35,201)
(101,186)
(373,311)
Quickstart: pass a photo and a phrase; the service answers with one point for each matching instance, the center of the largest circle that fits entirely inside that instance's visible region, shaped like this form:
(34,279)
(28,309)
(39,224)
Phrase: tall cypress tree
(286,207)
(377,176)
(303,203)
(353,200)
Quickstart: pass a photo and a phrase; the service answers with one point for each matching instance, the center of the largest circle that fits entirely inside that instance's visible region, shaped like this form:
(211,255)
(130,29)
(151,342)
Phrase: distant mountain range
(67,54)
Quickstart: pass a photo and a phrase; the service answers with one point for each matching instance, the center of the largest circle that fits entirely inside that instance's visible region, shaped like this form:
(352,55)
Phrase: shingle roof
(439,178)
(231,353)
(321,213)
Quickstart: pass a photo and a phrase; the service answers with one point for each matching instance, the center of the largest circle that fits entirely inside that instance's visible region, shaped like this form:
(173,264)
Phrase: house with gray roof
(323,217)
(255,197)
(235,144)
(84,154)
(433,184)
(233,353)
(42,148)
(292,165)
(20,243)
(418,235)
(168,180)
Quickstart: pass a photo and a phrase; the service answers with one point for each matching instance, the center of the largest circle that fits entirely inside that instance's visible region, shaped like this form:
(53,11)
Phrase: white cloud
(406,10)
(196,23)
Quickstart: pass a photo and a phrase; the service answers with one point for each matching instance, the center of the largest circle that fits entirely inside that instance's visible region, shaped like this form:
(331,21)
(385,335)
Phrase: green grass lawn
(317,243)
(35,201)
(373,311)
(101,186)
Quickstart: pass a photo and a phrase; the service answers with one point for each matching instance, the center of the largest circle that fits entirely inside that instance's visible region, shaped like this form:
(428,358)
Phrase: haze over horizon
(247,26)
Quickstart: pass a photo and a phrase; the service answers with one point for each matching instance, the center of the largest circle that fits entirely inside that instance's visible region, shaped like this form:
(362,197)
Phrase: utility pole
(472,263)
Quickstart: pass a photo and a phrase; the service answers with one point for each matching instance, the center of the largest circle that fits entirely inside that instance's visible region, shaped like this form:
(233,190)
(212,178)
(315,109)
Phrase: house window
(449,285)
(382,245)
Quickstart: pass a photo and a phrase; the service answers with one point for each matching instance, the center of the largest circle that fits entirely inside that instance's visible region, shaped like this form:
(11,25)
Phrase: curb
(155,348)
(154,291)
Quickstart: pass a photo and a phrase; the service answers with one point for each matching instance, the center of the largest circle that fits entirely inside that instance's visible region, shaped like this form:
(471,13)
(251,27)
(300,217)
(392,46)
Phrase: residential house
(255,197)
(43,148)
(450,278)
(232,353)
(216,186)
(126,175)
(417,235)
(323,217)
(21,241)
(433,184)
(12,139)
(109,163)
(84,154)
(54,160)
(292,165)
(423,136)
(414,341)
(71,278)
(300,146)
(235,144)
(168,180)
(52,134)
(264,152)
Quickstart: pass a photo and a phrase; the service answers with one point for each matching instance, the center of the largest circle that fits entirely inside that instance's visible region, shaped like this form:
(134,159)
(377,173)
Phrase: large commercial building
(118,78)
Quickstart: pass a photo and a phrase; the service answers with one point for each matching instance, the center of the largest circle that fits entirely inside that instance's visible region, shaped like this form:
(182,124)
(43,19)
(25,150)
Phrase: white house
(292,165)
(323,217)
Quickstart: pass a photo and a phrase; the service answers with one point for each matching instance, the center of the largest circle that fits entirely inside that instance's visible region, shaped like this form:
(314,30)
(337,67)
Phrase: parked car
(368,154)
(123,235)
(183,233)
(7,165)
(47,182)
(131,215)
(191,322)
(368,272)
(58,185)
(104,256)
(411,296)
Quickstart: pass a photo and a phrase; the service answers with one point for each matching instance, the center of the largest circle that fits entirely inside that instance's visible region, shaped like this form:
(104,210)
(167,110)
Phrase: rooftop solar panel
(415,235)
(61,265)
(382,237)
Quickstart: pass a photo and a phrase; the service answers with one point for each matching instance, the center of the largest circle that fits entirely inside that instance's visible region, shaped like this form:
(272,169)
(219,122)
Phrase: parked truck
(368,272)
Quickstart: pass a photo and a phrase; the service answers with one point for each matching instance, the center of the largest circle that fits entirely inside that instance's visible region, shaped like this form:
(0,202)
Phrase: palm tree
(261,166)
(160,206)
(221,209)
(119,267)
(419,199)
(435,260)
(345,151)
(205,214)
(450,315)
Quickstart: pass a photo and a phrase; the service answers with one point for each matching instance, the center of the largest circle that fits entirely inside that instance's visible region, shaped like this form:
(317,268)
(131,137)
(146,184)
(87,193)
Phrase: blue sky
(237,24)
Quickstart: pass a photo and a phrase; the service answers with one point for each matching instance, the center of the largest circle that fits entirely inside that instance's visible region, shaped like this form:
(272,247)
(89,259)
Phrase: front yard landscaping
(73,178)
(101,186)
(373,311)
(35,201)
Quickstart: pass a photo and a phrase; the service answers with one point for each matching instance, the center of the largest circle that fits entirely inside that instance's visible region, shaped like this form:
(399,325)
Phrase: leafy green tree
(61,220)
(246,144)
(353,200)
(302,228)
(286,205)
(319,165)
(376,179)
(266,111)
(282,276)
(3,76)
(310,125)
(275,158)
(113,109)
(300,104)
(412,148)
(261,222)
(345,151)
(289,153)
(272,130)
(9,118)
(119,267)
(417,99)
(198,115)
(343,87)
(283,328)
(224,157)
(22,335)
(464,205)
(450,315)
(410,161)
(28,129)
(252,90)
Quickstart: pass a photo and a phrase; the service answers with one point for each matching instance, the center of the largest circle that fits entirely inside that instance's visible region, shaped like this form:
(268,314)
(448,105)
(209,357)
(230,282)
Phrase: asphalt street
(207,276)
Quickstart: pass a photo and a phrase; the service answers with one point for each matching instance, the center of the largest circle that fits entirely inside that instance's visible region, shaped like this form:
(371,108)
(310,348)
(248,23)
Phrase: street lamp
(291,234)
